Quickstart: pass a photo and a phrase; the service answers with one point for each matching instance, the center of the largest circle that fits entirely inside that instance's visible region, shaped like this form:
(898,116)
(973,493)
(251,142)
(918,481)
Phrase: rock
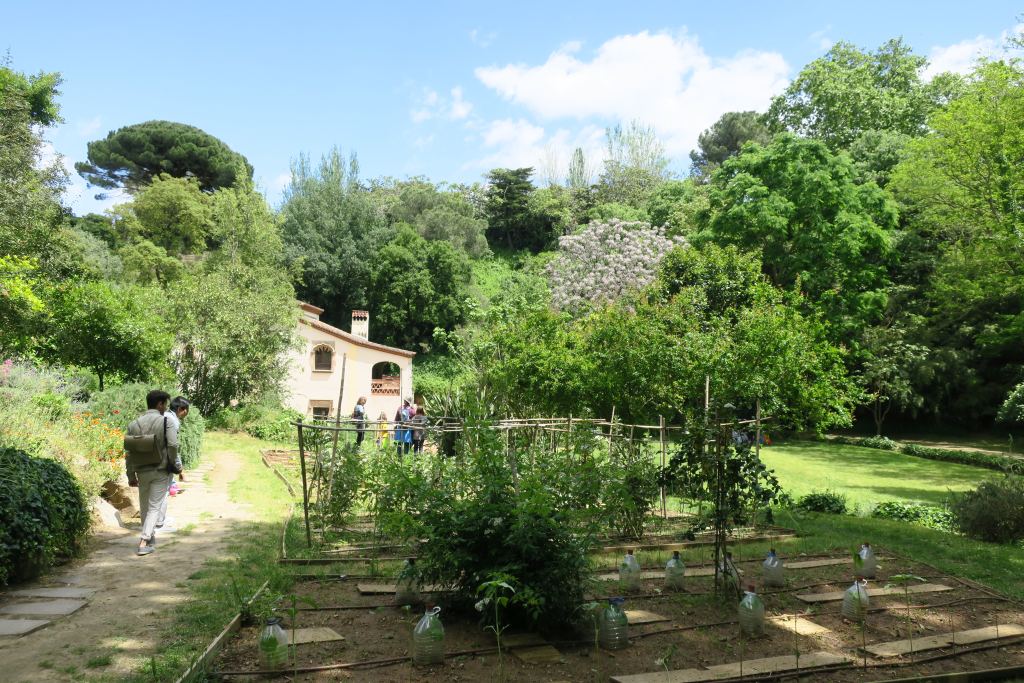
(120,495)
(104,514)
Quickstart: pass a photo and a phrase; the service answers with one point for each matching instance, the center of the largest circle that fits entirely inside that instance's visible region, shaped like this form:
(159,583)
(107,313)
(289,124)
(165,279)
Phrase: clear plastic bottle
(751,613)
(774,574)
(428,639)
(613,626)
(273,645)
(629,572)
(407,586)
(674,572)
(869,564)
(855,600)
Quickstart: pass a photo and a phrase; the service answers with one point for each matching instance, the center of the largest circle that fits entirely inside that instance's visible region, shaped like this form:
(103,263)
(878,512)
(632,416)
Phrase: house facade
(383,374)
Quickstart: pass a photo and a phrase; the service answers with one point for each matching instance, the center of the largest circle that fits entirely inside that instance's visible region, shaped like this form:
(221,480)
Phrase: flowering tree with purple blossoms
(605,261)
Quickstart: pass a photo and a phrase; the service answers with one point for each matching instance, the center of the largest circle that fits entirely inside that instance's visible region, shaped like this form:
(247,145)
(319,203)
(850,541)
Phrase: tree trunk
(100,374)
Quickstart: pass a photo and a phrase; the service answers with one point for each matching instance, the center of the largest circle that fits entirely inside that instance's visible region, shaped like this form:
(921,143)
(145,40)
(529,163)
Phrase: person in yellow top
(382,430)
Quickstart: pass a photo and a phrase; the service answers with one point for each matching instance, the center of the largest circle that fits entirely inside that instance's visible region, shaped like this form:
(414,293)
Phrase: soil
(135,596)
(385,631)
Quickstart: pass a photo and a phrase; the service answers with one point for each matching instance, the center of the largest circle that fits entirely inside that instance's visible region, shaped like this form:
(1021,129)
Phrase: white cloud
(481,38)
(961,57)
(822,39)
(433,105)
(87,128)
(661,79)
(517,143)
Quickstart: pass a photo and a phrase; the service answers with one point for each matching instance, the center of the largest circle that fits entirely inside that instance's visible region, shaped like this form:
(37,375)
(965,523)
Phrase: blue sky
(448,89)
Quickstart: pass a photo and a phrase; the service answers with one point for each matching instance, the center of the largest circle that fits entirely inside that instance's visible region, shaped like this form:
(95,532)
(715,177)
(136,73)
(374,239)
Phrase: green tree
(22,305)
(580,172)
(888,372)
(132,156)
(416,286)
(332,233)
(115,331)
(145,263)
(510,223)
(961,187)
(635,164)
(798,205)
(233,324)
(838,97)
(678,206)
(725,138)
(437,214)
(172,213)
(30,210)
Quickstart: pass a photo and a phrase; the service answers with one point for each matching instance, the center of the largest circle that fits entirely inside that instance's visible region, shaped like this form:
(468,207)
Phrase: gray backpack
(144,449)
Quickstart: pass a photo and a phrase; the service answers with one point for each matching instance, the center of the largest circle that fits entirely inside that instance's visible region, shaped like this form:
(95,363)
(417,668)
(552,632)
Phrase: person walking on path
(153,476)
(177,412)
(359,415)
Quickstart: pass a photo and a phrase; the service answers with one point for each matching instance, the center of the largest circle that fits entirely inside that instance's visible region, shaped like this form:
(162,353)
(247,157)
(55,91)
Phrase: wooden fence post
(661,438)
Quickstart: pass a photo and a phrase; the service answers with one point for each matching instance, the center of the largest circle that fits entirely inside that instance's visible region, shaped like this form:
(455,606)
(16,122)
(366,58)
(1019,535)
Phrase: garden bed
(700,631)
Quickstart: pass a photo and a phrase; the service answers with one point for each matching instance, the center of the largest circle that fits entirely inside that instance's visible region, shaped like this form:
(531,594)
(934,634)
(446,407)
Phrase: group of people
(153,460)
(410,426)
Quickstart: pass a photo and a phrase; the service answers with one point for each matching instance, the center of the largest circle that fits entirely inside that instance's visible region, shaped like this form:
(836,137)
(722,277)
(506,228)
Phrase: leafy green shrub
(828,501)
(964,457)
(883,443)
(55,406)
(43,514)
(190,439)
(630,488)
(259,420)
(931,516)
(1012,410)
(993,512)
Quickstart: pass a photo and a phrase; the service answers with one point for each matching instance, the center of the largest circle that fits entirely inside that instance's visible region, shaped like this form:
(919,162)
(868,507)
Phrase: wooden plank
(317,634)
(897,648)
(642,616)
(538,654)
(767,665)
(656,574)
(803,627)
(876,592)
(389,589)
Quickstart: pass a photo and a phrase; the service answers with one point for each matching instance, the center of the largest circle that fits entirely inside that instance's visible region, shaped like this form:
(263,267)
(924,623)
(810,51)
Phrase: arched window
(386,379)
(323,357)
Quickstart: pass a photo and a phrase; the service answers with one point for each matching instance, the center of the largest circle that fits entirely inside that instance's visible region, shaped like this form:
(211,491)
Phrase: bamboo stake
(661,438)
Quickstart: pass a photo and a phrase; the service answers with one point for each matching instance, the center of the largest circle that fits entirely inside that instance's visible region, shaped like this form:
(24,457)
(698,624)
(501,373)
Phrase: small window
(322,358)
(320,409)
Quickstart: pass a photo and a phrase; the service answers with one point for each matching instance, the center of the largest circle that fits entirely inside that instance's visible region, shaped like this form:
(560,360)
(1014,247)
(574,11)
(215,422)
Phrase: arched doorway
(385,379)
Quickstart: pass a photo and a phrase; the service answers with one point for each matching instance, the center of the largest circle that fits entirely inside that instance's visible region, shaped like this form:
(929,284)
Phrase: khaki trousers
(153,486)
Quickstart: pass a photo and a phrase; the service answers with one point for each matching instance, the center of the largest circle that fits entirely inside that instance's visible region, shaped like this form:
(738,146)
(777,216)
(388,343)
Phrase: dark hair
(156,396)
(179,402)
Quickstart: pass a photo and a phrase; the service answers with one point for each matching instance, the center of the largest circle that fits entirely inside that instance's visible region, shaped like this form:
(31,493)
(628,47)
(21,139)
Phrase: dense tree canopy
(133,156)
(847,92)
(797,204)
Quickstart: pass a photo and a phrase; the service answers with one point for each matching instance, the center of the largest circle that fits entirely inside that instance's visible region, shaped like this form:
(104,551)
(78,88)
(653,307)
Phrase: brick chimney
(361,324)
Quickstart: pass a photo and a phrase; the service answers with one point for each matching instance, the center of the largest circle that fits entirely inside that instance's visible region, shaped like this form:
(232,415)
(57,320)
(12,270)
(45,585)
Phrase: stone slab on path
(897,648)
(21,627)
(642,616)
(318,634)
(389,589)
(752,667)
(48,608)
(530,648)
(876,592)
(803,627)
(40,592)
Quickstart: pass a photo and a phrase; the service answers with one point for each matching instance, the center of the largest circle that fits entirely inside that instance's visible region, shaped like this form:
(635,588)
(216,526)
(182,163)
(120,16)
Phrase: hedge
(976,458)
(43,515)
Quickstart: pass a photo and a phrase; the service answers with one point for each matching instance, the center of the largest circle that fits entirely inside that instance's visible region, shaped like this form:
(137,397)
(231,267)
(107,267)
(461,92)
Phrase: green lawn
(866,475)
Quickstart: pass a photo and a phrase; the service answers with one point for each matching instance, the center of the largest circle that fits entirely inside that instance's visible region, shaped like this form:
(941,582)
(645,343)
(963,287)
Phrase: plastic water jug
(773,570)
(855,600)
(869,565)
(674,572)
(407,587)
(751,613)
(629,572)
(273,645)
(613,626)
(428,639)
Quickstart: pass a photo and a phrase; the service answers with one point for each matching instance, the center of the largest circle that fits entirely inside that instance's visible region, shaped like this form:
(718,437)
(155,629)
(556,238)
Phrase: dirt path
(135,596)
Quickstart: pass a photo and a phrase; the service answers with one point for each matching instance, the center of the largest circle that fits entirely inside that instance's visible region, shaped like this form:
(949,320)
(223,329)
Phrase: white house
(383,374)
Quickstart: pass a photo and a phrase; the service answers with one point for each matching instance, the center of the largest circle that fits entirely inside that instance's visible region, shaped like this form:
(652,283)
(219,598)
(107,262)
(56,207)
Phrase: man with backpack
(152,462)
